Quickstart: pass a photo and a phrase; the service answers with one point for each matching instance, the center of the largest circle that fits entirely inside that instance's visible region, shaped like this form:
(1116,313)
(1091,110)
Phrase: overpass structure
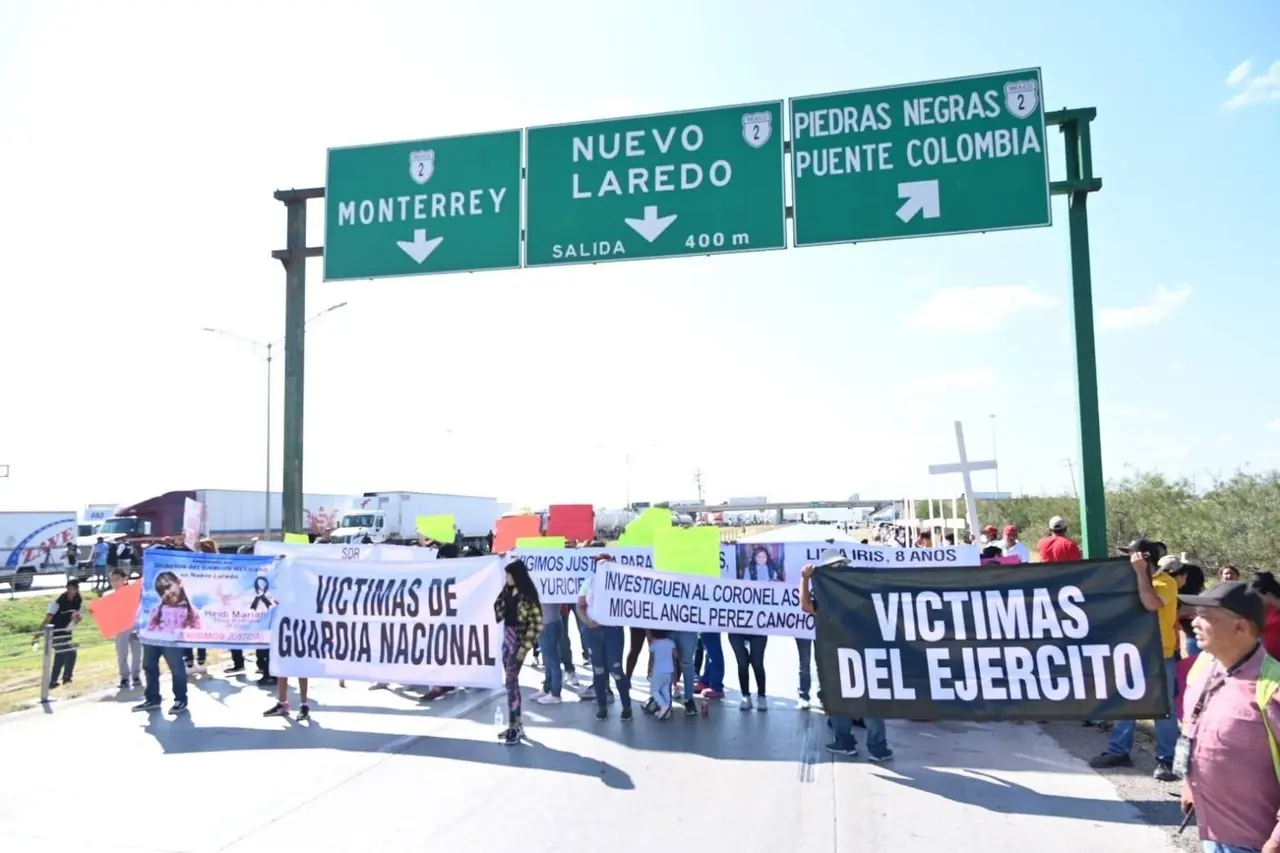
(780,507)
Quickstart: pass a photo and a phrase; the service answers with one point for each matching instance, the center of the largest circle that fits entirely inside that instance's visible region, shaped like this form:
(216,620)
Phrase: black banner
(1033,641)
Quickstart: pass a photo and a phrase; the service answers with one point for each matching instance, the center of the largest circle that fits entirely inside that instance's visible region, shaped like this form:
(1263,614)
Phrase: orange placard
(513,527)
(117,611)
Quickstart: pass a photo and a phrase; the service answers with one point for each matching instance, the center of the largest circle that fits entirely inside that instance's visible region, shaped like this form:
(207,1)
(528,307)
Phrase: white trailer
(234,513)
(392,516)
(33,543)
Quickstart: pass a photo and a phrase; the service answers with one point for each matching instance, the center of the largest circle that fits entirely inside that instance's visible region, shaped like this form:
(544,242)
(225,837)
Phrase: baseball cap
(832,557)
(990,530)
(1145,546)
(1169,564)
(1057,523)
(1233,596)
(1011,530)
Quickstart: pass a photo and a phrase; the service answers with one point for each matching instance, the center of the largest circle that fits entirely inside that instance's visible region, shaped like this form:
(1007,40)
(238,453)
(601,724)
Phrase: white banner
(401,623)
(797,554)
(640,598)
(333,551)
(559,572)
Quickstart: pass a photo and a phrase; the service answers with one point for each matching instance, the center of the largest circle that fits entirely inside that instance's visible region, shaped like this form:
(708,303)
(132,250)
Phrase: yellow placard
(540,542)
(640,531)
(437,527)
(297,539)
(695,551)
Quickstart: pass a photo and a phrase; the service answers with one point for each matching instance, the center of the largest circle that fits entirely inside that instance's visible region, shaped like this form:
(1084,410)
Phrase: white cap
(1057,523)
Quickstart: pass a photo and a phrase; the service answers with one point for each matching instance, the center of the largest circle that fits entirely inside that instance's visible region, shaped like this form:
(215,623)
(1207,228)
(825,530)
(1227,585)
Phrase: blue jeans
(151,671)
(713,666)
(1121,742)
(687,646)
(606,644)
(877,740)
(805,649)
(549,643)
(1217,847)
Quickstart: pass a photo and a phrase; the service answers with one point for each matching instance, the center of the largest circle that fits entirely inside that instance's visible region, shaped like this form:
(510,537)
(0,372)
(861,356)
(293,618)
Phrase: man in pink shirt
(1230,777)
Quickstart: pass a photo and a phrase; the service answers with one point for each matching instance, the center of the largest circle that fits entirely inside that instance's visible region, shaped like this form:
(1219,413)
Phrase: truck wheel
(22,581)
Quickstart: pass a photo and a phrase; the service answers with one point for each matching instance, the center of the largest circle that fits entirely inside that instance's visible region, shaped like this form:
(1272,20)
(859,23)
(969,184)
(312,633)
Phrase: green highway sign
(689,183)
(430,206)
(922,159)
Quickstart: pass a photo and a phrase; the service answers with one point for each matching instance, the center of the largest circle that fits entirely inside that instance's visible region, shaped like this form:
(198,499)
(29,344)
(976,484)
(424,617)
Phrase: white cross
(964,467)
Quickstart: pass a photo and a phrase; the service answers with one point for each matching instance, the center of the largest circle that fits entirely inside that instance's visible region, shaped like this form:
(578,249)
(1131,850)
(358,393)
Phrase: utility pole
(697,479)
(1071,469)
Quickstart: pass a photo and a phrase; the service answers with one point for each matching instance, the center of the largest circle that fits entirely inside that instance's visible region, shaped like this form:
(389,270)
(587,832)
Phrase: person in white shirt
(1012,547)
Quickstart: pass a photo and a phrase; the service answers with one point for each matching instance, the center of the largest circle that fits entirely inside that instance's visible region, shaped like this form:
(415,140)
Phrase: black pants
(237,659)
(749,650)
(698,654)
(64,666)
(195,656)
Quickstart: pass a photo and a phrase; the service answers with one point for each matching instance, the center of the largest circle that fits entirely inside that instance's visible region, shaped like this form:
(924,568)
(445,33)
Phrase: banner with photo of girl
(191,599)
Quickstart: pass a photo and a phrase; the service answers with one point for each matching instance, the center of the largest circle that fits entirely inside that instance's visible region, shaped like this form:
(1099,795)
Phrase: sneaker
(66,681)
(381,685)
(304,712)
(880,757)
(537,696)
(626,715)
(510,737)
(690,708)
(588,694)
(745,704)
(1164,772)
(841,748)
(147,706)
(548,699)
(650,705)
(712,693)
(610,697)
(280,709)
(571,679)
(234,669)
(700,686)
(267,681)
(137,682)
(53,684)
(762,704)
(663,713)
(803,703)
(179,707)
(1109,759)
(436,693)
(602,713)
(124,684)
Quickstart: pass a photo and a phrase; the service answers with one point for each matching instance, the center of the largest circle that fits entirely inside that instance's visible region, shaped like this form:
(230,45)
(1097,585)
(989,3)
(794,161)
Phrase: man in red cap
(1012,547)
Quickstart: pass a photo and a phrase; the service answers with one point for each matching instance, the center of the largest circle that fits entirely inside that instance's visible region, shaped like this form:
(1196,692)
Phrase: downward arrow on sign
(652,226)
(420,248)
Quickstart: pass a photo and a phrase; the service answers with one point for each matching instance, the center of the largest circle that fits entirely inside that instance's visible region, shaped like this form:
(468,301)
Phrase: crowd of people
(1220,644)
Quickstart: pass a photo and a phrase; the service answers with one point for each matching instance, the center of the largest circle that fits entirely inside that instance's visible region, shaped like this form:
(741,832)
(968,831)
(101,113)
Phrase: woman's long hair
(525,586)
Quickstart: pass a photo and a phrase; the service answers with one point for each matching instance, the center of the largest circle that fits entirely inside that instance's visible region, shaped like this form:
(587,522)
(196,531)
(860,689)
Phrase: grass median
(22,653)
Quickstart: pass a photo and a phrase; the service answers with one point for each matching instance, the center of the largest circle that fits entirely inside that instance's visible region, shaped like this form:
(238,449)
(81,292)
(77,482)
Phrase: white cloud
(1157,310)
(965,379)
(982,308)
(1274,426)
(1253,90)
(1240,73)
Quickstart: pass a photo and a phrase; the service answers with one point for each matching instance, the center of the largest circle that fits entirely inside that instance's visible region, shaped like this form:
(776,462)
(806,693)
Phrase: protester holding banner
(1158,591)
(518,609)
(605,644)
(843,741)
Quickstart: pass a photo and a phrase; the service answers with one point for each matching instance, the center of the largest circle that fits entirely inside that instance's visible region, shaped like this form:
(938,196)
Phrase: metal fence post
(46,668)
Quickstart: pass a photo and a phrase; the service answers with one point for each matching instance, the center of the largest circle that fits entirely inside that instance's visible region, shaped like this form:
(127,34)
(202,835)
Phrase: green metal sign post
(429,206)
(692,183)
(944,157)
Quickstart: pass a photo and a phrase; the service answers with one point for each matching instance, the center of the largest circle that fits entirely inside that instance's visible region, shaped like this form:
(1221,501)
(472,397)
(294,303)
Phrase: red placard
(572,521)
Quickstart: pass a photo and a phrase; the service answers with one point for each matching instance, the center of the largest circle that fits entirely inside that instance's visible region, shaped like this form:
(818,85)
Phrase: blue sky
(134,134)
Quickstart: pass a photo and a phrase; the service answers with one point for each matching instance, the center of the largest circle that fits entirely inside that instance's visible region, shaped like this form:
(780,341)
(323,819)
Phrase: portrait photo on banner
(761,562)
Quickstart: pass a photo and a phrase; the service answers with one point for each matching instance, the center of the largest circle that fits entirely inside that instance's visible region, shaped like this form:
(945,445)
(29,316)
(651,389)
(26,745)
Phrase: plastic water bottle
(499,716)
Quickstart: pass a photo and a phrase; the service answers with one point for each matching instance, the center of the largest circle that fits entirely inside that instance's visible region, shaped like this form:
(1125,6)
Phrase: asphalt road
(41,585)
(378,770)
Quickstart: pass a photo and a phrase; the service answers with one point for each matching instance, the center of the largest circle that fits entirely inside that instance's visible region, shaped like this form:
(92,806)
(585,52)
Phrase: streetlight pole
(269,346)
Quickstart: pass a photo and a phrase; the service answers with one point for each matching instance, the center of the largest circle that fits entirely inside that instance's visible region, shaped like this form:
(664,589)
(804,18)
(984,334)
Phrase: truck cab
(355,525)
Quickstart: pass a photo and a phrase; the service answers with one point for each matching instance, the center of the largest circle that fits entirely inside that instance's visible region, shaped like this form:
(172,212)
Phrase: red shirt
(1271,633)
(1058,549)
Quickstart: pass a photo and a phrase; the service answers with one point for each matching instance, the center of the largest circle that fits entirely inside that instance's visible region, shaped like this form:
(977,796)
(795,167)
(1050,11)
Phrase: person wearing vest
(62,615)
(1228,754)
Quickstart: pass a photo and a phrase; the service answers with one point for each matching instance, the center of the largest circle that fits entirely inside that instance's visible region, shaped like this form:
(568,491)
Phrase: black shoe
(280,709)
(1164,772)
(304,712)
(625,716)
(602,713)
(267,681)
(234,669)
(137,682)
(1109,759)
(690,708)
(179,707)
(147,706)
(124,684)
(52,685)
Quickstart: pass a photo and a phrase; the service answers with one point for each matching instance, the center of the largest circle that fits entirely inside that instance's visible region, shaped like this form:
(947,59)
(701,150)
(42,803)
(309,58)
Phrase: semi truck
(232,518)
(33,543)
(391,517)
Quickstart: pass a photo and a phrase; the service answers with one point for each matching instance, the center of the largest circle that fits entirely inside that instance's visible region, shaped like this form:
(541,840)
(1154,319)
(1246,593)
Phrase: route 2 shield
(1021,97)
(422,165)
(757,128)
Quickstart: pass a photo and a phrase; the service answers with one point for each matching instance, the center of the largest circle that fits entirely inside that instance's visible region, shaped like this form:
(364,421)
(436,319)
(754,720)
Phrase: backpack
(1268,684)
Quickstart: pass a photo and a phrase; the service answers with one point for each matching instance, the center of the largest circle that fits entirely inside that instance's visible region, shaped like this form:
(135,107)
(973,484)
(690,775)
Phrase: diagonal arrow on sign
(922,197)
(652,225)
(419,248)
